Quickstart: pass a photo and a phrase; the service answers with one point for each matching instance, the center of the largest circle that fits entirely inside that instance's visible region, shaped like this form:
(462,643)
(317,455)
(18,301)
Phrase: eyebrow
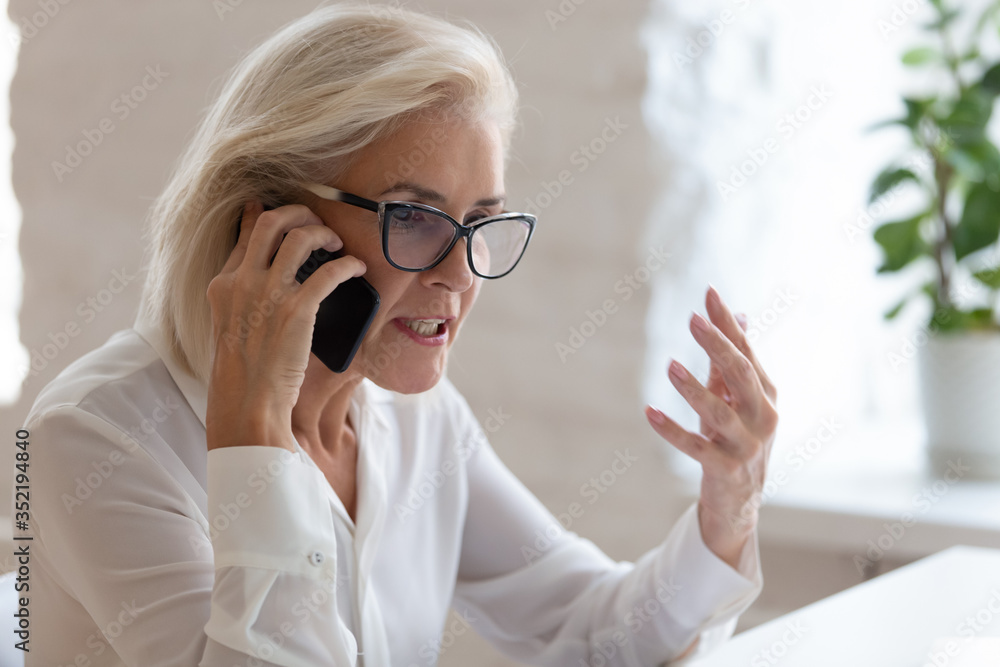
(434,196)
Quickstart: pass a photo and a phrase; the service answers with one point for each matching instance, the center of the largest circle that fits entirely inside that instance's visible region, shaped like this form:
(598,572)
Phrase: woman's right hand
(262,321)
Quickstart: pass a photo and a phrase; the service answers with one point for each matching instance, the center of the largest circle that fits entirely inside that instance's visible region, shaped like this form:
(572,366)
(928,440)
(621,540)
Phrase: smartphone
(344,315)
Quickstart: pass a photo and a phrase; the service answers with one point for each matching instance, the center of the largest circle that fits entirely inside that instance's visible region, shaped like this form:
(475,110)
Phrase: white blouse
(149,550)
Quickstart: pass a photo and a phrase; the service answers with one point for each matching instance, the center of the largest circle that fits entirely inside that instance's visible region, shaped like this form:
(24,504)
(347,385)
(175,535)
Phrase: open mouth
(425,327)
(424,331)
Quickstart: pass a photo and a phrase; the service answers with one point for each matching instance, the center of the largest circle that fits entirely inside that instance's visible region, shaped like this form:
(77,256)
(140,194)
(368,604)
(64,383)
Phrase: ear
(236,231)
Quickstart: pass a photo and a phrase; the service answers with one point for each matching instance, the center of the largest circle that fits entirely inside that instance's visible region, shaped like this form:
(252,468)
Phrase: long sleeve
(546,596)
(166,587)
(275,560)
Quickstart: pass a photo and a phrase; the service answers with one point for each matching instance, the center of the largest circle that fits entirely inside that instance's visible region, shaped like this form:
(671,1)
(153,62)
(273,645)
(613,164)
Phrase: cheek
(473,293)
(470,296)
(390,285)
(362,240)
(379,273)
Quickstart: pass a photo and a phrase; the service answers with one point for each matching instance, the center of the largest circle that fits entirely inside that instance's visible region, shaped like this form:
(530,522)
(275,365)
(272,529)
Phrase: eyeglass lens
(418,238)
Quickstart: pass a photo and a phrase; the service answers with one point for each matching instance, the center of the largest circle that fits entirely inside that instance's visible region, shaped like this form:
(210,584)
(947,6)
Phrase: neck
(320,417)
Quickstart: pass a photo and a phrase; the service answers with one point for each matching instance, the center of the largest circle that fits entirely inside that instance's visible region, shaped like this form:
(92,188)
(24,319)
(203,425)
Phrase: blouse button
(316,557)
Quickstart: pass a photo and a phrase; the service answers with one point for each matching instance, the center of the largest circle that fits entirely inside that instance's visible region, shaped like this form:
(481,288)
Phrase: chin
(407,381)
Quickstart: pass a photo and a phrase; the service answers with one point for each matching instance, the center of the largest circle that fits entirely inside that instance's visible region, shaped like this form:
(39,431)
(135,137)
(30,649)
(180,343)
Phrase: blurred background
(664,145)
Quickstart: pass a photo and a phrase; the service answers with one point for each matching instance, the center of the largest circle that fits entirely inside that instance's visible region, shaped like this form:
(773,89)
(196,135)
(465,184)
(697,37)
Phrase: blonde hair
(297,108)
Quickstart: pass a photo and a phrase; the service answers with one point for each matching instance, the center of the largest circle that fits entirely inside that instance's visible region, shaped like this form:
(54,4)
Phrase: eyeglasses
(417,237)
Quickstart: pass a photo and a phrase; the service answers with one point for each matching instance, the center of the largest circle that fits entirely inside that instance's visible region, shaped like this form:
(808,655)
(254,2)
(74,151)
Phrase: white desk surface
(892,620)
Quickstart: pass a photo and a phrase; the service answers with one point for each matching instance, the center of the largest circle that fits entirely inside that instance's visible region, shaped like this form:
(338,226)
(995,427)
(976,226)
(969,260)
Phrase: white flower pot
(960,394)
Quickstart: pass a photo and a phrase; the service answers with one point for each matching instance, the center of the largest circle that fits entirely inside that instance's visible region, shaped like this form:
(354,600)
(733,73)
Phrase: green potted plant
(954,169)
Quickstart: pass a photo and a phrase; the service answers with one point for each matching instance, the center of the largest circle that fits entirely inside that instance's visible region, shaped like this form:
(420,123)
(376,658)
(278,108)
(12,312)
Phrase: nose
(453,271)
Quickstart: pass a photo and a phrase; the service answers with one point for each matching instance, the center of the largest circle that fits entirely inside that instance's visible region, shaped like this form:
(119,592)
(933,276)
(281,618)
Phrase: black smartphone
(344,315)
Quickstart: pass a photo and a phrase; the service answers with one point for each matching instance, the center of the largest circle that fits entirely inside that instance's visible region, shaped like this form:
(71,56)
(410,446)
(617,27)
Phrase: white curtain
(773,100)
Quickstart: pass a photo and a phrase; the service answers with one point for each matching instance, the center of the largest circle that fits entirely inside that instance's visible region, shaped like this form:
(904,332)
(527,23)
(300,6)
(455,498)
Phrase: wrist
(726,535)
(247,424)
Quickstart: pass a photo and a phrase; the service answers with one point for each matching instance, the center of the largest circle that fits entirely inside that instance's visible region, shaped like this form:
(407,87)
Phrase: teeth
(424,327)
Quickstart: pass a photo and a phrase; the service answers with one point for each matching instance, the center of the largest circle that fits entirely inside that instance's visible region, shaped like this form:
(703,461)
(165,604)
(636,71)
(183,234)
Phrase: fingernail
(700,323)
(713,294)
(656,417)
(677,370)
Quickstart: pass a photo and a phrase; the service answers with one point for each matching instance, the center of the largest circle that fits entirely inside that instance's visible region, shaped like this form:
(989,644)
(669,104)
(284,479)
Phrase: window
(760,110)
(15,358)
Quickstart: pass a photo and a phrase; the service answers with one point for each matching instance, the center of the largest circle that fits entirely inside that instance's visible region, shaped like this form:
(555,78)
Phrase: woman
(208,492)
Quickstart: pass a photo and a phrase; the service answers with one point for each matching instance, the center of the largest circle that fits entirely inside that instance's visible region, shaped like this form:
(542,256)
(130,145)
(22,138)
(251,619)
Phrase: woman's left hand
(738,423)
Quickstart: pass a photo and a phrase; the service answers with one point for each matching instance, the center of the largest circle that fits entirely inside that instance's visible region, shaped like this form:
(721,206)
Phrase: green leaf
(986,154)
(976,161)
(902,243)
(888,179)
(894,311)
(947,319)
(979,226)
(980,318)
(916,109)
(955,319)
(971,54)
(989,277)
(931,290)
(966,122)
(921,55)
(946,17)
(991,80)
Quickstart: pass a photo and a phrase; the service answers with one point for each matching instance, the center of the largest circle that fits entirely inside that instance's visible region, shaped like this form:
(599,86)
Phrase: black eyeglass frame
(384,208)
